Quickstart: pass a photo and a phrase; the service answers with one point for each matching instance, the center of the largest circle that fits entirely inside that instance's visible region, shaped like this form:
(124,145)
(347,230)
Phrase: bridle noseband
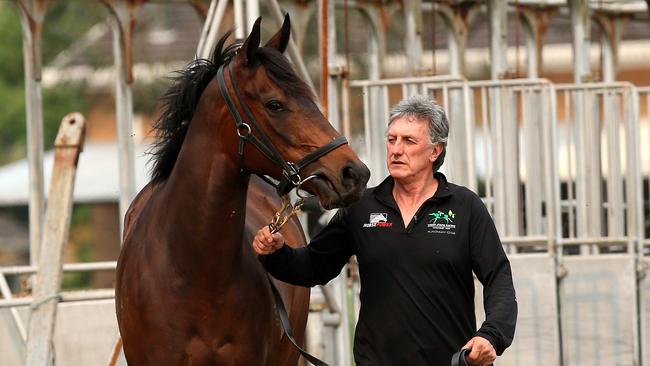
(290,171)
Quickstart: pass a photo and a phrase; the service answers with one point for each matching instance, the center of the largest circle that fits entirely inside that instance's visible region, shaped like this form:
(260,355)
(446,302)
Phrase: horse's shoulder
(136,207)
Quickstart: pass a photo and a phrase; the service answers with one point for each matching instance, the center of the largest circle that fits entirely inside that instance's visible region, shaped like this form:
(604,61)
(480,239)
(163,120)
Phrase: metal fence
(563,172)
(600,224)
(643,251)
(560,168)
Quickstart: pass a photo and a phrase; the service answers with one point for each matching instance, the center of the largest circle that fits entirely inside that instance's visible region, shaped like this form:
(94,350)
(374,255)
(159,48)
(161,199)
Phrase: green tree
(65,23)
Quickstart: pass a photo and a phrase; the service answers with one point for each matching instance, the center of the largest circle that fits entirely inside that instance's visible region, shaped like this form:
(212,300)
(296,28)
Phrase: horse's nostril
(349,173)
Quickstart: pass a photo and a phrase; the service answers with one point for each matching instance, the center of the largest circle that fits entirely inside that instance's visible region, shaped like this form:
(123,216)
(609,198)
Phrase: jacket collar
(384,191)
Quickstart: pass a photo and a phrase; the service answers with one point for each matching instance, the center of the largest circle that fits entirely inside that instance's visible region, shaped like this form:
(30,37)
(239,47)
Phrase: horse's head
(280,129)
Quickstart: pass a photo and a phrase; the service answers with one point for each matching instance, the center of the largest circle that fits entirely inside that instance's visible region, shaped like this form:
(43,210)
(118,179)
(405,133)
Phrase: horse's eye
(274,106)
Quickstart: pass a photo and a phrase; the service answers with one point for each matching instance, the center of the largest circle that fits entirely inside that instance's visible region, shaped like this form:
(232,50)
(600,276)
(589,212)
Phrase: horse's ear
(252,43)
(281,39)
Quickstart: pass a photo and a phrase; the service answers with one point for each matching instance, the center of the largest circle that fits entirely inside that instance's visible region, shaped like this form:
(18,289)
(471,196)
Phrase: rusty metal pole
(498,38)
(580,23)
(611,26)
(334,71)
(123,25)
(68,145)
(32,15)
(323,37)
(413,36)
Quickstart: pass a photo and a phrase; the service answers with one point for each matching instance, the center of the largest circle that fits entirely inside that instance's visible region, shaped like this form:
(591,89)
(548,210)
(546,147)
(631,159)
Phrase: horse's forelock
(282,73)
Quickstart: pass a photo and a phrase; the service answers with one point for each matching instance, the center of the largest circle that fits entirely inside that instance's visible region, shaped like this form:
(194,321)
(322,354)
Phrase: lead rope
(281,217)
(286,325)
(287,210)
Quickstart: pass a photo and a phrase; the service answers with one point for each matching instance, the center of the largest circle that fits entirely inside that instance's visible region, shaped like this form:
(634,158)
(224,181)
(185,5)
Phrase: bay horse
(189,288)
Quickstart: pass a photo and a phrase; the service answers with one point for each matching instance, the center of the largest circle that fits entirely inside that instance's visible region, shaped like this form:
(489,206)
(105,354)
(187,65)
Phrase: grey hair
(426,108)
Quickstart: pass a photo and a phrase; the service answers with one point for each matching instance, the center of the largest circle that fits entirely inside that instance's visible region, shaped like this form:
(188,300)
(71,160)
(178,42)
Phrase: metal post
(123,25)
(239,19)
(334,73)
(323,39)
(497,10)
(532,50)
(413,36)
(252,13)
(59,211)
(580,23)
(211,28)
(457,22)
(32,15)
(609,40)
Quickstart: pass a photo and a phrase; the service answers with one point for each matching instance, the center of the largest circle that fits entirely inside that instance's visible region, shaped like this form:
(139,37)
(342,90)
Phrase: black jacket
(417,288)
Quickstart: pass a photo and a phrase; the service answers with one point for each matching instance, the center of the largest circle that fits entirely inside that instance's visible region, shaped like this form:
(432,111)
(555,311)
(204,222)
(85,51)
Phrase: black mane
(177,107)
(181,99)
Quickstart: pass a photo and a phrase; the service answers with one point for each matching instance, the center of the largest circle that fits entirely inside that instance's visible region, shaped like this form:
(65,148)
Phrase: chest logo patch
(442,222)
(378,219)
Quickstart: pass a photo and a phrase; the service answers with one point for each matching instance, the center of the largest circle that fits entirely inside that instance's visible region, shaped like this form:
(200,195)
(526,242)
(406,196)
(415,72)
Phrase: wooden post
(68,145)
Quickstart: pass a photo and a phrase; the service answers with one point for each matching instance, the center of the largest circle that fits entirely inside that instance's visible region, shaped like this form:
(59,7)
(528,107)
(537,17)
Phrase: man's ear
(252,43)
(435,152)
(281,39)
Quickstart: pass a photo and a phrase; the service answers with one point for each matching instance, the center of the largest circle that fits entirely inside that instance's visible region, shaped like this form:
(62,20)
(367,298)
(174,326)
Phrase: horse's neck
(205,202)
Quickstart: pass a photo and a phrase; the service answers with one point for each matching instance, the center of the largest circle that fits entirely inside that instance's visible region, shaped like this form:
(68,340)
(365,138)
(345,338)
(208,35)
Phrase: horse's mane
(179,102)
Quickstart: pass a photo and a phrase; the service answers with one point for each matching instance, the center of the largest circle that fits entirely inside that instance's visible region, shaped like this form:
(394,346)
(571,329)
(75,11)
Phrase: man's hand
(266,243)
(482,354)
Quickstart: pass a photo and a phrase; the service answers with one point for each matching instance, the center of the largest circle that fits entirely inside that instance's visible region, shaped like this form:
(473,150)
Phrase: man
(417,239)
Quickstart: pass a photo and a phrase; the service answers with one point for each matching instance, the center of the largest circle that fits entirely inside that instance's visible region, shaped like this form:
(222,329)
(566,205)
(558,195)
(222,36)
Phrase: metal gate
(559,168)
(643,250)
(515,151)
(600,221)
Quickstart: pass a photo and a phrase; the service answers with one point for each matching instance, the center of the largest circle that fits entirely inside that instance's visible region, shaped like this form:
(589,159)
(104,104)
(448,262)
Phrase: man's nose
(397,147)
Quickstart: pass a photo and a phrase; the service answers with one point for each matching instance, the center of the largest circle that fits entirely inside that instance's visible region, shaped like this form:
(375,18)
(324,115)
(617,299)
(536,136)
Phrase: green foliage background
(66,22)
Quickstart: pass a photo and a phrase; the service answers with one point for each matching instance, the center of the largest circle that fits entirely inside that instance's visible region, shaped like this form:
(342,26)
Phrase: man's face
(408,148)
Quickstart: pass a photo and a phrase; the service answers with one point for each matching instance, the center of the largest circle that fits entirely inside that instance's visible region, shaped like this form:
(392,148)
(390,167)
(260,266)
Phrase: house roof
(97,178)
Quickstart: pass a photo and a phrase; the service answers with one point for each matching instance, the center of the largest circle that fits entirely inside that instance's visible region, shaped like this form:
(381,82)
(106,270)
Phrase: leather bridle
(290,170)
(290,179)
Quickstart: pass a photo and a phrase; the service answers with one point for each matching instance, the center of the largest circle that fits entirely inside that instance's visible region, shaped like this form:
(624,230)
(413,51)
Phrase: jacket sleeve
(492,268)
(317,263)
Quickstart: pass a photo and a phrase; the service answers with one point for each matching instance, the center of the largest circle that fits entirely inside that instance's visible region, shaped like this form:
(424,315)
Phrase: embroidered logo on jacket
(441,222)
(378,219)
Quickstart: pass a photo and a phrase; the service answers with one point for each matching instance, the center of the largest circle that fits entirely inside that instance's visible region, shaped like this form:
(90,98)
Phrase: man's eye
(274,106)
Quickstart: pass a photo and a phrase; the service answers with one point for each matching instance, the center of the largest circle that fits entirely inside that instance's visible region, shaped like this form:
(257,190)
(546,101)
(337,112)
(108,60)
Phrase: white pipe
(214,29)
(240,26)
(252,13)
